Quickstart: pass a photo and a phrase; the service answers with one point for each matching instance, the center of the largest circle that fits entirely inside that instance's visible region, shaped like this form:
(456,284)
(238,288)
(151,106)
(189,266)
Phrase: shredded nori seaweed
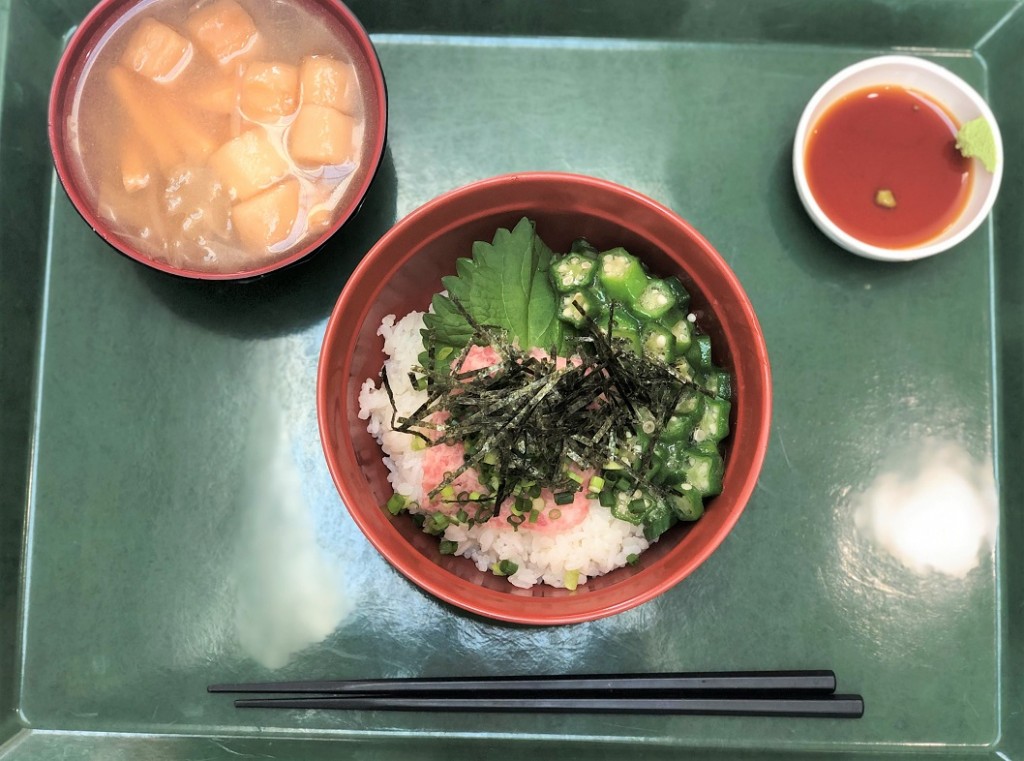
(525,420)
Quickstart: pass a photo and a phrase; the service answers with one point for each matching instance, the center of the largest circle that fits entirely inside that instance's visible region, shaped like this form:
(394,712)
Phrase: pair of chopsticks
(764,693)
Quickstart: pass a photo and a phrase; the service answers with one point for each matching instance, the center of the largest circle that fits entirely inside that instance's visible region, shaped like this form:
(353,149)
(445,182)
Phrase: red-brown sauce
(883,165)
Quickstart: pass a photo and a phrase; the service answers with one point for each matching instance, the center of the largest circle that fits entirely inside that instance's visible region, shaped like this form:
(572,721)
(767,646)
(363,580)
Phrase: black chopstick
(836,706)
(806,683)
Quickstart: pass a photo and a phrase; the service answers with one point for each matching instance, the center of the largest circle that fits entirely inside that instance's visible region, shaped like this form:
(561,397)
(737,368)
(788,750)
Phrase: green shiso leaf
(505,285)
(449,326)
(975,140)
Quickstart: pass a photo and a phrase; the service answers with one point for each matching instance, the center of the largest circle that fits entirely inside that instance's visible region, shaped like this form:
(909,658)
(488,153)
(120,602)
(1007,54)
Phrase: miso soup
(221,135)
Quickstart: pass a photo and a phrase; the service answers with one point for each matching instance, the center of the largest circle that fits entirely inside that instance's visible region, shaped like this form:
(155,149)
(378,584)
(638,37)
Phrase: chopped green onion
(417,444)
(504,568)
(448,493)
(436,523)
(521,505)
(572,580)
(632,558)
(596,485)
(534,515)
(623,484)
(534,491)
(575,476)
(448,547)
(490,458)
(397,503)
(606,498)
(462,516)
(564,497)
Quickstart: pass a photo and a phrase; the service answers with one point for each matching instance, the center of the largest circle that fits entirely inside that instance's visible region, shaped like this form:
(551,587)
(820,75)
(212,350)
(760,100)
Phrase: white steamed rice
(596,546)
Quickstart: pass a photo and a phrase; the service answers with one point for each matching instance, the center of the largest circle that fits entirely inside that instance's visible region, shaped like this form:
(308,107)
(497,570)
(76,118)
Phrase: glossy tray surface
(168,519)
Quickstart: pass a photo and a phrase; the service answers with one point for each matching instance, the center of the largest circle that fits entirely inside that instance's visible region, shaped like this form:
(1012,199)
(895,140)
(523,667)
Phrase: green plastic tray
(167,519)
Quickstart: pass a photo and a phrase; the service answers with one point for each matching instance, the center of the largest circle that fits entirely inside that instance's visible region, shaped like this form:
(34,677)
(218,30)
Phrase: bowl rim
(479,600)
(831,229)
(77,48)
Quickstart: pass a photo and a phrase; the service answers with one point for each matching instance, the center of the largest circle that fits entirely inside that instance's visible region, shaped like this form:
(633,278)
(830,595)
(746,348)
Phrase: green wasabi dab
(975,140)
